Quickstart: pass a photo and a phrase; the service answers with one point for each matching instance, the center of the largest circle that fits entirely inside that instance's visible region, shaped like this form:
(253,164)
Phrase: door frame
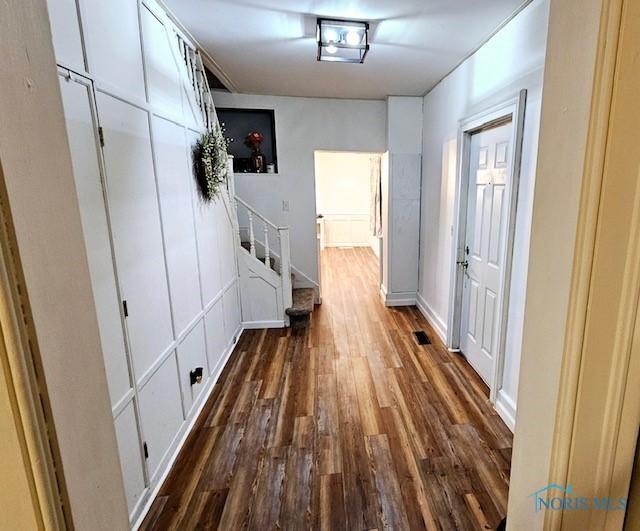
(597,416)
(35,470)
(511,110)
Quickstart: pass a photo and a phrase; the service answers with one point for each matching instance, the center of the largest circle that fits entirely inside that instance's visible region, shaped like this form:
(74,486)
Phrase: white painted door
(82,133)
(137,235)
(486,235)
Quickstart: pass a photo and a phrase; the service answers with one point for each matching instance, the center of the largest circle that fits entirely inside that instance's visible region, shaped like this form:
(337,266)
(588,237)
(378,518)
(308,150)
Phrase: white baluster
(252,240)
(267,254)
(235,204)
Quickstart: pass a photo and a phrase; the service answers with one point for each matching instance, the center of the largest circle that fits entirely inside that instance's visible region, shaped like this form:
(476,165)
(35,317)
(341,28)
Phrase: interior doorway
(485,234)
(488,178)
(348,203)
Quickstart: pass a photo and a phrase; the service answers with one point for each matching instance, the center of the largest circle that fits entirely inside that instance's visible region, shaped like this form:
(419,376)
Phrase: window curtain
(375,218)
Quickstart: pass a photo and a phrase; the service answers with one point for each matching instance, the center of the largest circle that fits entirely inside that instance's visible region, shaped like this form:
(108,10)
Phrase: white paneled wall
(162,262)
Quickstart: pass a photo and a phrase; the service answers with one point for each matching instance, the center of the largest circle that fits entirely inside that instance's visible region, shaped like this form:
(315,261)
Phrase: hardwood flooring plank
(265,507)
(368,403)
(392,512)
(251,455)
(273,373)
(295,512)
(328,436)
(332,510)
(207,511)
(415,499)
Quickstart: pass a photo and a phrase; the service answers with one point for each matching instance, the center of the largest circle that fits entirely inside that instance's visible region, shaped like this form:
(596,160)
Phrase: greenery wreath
(210,162)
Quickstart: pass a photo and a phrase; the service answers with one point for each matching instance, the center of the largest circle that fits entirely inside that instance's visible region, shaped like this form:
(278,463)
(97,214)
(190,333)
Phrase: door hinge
(101,136)
(125,308)
(146,450)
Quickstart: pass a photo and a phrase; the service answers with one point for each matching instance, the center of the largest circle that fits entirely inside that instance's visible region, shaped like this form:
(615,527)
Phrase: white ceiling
(269,47)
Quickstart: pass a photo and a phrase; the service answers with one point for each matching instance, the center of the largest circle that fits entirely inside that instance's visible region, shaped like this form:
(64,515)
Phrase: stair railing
(197,77)
(254,218)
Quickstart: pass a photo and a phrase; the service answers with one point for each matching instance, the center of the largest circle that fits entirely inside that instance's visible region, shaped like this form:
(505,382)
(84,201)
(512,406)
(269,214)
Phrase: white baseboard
(506,408)
(383,293)
(255,325)
(149,495)
(405,298)
(438,324)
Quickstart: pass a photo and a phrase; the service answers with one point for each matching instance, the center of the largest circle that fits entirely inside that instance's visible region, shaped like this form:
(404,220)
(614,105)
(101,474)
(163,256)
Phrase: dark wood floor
(348,424)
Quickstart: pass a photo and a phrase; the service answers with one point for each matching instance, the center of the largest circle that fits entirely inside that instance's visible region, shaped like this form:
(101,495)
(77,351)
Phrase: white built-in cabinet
(162,262)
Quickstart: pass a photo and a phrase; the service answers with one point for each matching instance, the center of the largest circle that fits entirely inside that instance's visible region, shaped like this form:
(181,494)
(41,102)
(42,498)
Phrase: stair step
(303,302)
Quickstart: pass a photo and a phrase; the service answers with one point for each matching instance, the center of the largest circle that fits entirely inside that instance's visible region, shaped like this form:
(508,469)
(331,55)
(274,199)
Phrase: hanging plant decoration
(210,162)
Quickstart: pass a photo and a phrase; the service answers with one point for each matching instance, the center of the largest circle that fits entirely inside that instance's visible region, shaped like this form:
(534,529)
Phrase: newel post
(285,267)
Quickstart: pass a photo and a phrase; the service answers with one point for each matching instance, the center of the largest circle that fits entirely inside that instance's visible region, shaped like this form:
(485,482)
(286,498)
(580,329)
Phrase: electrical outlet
(285,205)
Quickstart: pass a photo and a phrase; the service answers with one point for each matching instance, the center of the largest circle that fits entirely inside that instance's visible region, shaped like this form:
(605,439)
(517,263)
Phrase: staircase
(269,298)
(267,295)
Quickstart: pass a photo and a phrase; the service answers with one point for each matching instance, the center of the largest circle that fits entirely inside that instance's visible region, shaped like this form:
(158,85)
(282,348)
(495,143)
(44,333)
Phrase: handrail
(259,215)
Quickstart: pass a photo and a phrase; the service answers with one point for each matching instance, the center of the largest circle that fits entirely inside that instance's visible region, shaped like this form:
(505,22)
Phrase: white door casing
(513,111)
(486,233)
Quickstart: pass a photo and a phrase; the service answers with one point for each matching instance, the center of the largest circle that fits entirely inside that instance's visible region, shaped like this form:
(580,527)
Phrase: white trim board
(436,323)
(406,298)
(258,325)
(506,408)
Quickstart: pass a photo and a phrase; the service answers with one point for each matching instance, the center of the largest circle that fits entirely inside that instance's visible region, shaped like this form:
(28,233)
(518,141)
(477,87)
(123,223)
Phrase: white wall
(55,289)
(567,113)
(512,60)
(304,125)
(343,197)
(172,256)
(402,206)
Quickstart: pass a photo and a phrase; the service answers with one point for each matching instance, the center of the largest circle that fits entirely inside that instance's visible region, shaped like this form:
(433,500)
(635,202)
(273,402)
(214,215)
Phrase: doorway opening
(349,206)
(484,226)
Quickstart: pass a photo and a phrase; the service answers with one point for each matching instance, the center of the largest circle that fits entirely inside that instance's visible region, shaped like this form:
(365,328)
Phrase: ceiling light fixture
(344,41)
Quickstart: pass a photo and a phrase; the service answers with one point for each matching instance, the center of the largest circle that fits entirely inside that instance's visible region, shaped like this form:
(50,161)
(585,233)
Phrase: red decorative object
(253,140)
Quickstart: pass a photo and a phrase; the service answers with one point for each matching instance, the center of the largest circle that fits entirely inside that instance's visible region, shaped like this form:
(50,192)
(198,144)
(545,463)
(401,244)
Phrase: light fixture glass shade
(345,41)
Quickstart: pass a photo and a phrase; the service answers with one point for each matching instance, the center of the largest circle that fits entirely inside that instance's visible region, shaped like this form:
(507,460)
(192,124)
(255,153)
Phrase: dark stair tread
(303,301)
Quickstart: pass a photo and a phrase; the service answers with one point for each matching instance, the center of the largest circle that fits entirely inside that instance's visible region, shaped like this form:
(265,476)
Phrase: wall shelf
(237,124)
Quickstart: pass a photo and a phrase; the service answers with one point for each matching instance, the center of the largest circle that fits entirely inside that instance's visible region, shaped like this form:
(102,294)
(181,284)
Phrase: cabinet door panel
(208,234)
(112,33)
(192,354)
(174,184)
(231,306)
(162,71)
(65,31)
(130,456)
(86,171)
(137,235)
(226,244)
(160,412)
(216,338)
